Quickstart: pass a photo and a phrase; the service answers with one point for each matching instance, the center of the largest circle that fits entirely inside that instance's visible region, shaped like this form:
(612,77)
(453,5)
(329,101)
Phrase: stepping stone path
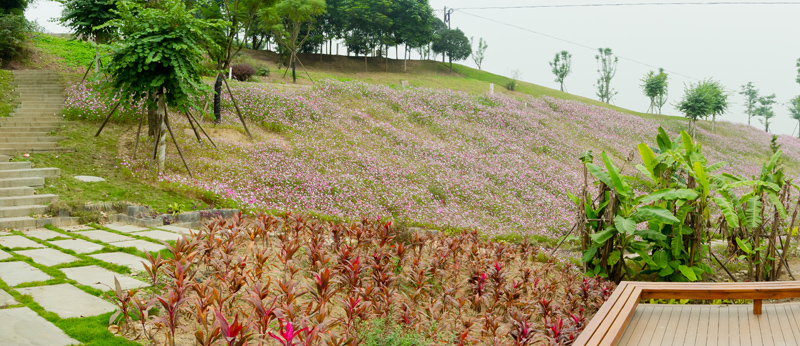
(178,229)
(77,245)
(29,129)
(16,241)
(23,326)
(48,257)
(103,236)
(6,299)
(15,273)
(68,301)
(101,278)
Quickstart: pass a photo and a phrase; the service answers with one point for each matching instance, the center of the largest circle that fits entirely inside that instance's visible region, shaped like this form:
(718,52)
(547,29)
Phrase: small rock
(89,178)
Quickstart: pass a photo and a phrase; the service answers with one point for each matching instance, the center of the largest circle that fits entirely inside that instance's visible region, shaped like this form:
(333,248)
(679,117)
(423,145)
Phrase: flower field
(427,156)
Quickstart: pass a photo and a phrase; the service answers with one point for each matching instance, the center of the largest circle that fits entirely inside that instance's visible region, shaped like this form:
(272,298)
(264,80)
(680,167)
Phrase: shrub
(243,72)
(13,34)
(263,71)
(383,333)
(512,85)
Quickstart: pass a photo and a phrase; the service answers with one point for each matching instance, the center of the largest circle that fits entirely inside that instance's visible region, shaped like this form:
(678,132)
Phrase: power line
(572,43)
(719,3)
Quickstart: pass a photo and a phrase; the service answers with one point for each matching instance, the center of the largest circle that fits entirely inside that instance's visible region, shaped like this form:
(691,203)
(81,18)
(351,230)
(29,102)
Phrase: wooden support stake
(202,129)
(306,71)
(196,134)
(166,122)
(88,68)
(136,145)
(107,118)
(237,109)
(757,306)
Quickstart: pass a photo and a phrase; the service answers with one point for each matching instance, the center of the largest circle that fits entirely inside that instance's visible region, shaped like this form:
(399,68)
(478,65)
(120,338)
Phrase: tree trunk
(217,100)
(162,140)
(96,56)
(562,85)
(152,118)
(713,122)
(366,65)
(294,75)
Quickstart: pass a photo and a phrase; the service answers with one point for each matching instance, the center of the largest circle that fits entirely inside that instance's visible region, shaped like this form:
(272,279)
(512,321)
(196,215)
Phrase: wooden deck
(718,325)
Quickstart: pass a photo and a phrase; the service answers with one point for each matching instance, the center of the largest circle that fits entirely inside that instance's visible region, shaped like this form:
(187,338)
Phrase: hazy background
(735,44)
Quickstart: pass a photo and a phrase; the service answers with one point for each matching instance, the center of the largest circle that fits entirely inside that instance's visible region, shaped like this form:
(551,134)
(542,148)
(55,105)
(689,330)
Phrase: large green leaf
(619,185)
(776,201)
(601,237)
(670,194)
(589,254)
(613,257)
(753,212)
(769,185)
(716,166)
(744,246)
(687,272)
(598,173)
(648,158)
(677,243)
(688,145)
(661,259)
(769,166)
(648,213)
(627,226)
(662,139)
(650,234)
(702,178)
(727,210)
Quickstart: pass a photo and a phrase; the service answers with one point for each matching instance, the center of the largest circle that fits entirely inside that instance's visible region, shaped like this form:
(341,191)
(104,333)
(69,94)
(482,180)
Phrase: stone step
(4,158)
(24,210)
(41,105)
(19,139)
(45,129)
(16,191)
(27,200)
(26,134)
(5,166)
(30,172)
(21,122)
(30,146)
(40,98)
(22,182)
(7,151)
(36,114)
(17,222)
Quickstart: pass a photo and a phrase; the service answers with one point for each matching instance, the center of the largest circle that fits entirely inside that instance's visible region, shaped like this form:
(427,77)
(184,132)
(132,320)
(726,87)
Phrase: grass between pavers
(88,330)
(7,99)
(97,156)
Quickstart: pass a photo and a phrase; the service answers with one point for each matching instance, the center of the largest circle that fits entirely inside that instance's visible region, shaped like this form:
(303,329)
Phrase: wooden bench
(608,325)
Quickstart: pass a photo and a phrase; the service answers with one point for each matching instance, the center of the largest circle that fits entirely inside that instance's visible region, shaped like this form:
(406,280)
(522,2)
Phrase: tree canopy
(706,98)
(454,44)
(654,86)
(750,94)
(84,17)
(562,67)
(764,110)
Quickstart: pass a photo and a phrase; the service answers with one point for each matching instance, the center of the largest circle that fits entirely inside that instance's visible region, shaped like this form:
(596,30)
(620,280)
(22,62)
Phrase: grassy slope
(7,101)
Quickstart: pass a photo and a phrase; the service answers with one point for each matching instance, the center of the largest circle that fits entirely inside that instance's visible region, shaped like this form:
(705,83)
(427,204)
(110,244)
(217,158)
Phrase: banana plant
(659,223)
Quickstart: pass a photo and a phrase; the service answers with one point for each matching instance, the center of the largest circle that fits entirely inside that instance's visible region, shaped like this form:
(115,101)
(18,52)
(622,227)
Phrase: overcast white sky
(735,44)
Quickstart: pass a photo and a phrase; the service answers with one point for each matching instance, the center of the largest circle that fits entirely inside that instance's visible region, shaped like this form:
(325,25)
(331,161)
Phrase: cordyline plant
(326,282)
(669,218)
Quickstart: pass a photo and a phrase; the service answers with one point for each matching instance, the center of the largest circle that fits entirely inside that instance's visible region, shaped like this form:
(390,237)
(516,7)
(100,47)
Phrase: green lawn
(7,100)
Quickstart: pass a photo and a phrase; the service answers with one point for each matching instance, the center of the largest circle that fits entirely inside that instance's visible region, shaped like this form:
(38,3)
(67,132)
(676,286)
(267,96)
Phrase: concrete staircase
(29,129)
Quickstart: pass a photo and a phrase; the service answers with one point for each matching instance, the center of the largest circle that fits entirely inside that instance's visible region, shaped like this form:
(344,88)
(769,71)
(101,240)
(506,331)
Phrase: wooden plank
(702,326)
(690,336)
(676,326)
(793,311)
(785,328)
(636,335)
(755,329)
(763,326)
(743,326)
(600,316)
(613,314)
(651,325)
(732,322)
(633,326)
(661,327)
(624,317)
(713,327)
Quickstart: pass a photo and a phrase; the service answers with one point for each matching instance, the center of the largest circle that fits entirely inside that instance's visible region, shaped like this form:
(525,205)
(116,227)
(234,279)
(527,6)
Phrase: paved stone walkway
(20,325)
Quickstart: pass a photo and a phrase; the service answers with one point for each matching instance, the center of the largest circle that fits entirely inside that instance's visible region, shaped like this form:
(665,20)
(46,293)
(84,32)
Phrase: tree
(453,43)
(654,85)
(794,110)
(661,100)
(16,7)
(606,68)
(479,53)
(225,43)
(367,25)
(764,110)
(85,19)
(701,100)
(412,25)
(14,29)
(288,18)
(562,67)
(159,60)
(750,94)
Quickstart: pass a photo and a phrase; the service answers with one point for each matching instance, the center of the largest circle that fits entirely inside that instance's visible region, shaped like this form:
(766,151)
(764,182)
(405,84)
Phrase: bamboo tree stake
(107,118)
(237,108)
(199,139)
(88,68)
(202,129)
(139,131)
(166,122)
(306,71)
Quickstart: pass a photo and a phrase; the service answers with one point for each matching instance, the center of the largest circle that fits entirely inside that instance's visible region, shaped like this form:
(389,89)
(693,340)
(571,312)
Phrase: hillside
(442,153)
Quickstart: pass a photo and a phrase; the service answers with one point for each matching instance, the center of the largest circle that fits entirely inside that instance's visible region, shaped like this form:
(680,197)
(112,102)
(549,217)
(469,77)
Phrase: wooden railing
(608,325)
